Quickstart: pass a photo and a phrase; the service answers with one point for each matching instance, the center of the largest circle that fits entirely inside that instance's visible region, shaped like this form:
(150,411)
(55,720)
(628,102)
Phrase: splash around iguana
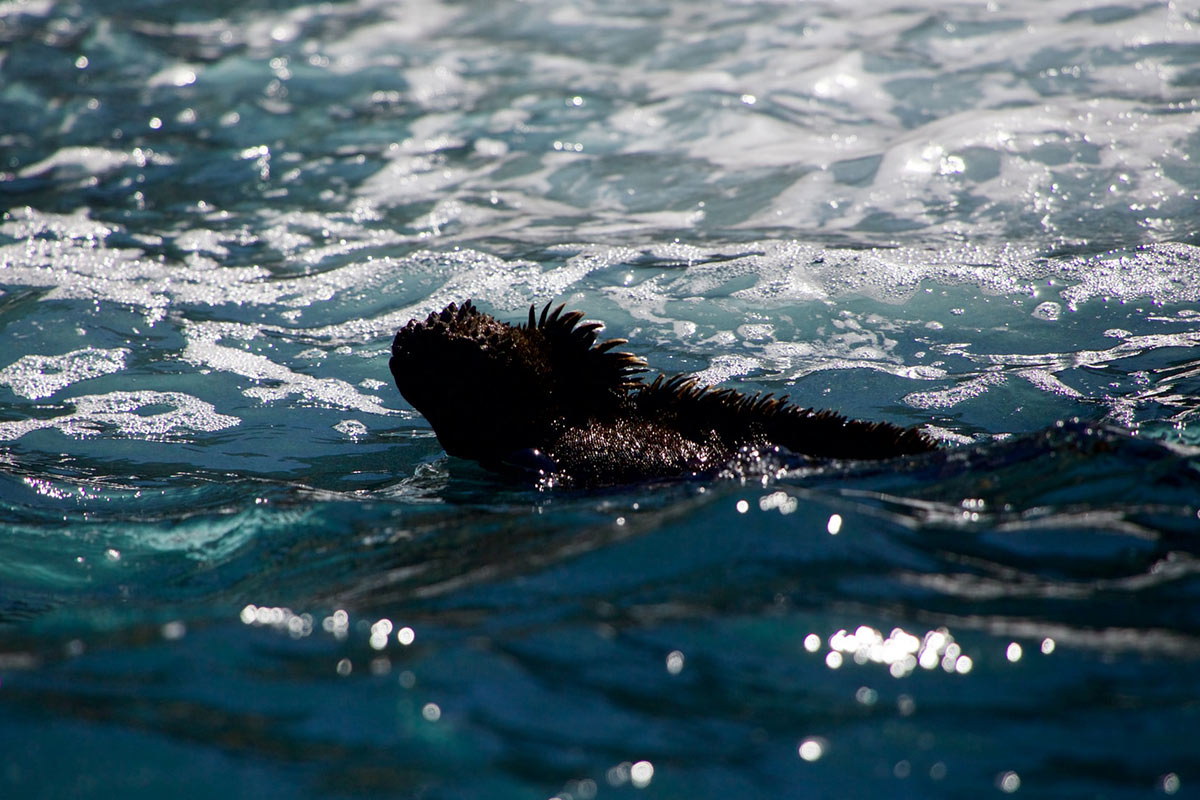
(545,401)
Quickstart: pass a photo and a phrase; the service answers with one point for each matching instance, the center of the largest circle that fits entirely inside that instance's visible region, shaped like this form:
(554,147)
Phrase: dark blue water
(233,562)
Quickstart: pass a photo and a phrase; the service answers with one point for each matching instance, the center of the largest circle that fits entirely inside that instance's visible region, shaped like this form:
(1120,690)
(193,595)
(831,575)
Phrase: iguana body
(545,399)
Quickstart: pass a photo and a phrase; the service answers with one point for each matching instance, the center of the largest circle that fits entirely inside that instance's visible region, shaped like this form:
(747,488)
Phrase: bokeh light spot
(1170,783)
(812,749)
(641,773)
(1008,782)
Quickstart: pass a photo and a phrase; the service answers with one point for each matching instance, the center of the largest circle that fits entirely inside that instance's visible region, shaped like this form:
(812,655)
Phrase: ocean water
(234,563)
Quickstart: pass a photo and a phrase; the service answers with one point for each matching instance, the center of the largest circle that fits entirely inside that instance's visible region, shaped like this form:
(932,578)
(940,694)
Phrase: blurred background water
(233,562)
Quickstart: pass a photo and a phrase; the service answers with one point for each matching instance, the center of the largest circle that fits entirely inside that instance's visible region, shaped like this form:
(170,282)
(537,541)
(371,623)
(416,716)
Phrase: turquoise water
(233,562)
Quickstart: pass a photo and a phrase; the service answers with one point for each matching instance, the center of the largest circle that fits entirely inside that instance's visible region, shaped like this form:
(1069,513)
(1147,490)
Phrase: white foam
(116,414)
(36,376)
(205,350)
(1048,311)
(88,162)
(727,366)
(408,178)
(1047,382)
(68,253)
(1167,273)
(964,390)
(26,223)
(36,8)
(351,429)
(400,26)
(507,286)
(787,272)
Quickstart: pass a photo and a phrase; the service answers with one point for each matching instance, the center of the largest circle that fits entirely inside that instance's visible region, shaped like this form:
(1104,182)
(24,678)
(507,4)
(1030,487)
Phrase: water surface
(234,562)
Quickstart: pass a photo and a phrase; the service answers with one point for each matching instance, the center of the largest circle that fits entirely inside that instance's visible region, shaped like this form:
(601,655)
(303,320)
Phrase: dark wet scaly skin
(544,400)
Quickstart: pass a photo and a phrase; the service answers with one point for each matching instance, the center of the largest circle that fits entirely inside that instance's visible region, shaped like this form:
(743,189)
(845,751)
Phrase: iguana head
(491,389)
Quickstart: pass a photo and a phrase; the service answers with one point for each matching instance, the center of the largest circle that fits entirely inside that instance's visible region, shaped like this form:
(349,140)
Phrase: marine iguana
(545,400)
